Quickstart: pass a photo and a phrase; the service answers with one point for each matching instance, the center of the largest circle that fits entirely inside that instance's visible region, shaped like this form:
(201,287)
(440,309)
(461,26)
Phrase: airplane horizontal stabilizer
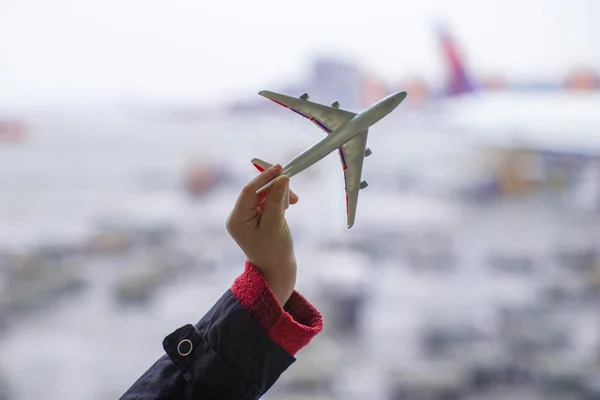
(262,165)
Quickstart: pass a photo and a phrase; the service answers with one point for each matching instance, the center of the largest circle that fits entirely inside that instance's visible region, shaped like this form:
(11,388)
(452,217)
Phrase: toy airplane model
(346,132)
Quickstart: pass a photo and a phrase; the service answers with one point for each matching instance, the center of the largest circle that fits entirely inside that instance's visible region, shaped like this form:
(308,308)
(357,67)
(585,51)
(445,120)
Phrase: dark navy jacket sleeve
(238,349)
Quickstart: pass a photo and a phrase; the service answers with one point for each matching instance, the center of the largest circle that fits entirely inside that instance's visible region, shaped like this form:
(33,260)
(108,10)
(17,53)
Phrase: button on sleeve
(202,367)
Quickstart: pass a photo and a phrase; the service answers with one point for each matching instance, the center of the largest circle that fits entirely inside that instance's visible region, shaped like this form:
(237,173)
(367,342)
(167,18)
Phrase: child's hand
(257,224)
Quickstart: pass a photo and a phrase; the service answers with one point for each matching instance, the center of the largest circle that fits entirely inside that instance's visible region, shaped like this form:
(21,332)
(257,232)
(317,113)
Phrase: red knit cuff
(292,327)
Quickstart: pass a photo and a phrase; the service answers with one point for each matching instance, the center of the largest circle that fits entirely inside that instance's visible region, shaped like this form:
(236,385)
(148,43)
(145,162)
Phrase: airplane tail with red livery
(459,81)
(261,166)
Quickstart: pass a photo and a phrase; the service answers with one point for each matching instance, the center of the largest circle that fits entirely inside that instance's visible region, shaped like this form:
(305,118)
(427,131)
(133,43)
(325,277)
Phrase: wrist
(281,281)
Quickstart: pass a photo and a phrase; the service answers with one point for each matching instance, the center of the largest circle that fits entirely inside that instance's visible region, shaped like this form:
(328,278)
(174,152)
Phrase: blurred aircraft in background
(461,83)
(546,116)
(538,133)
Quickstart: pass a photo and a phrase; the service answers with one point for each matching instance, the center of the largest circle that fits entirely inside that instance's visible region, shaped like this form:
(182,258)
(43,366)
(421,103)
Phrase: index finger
(248,199)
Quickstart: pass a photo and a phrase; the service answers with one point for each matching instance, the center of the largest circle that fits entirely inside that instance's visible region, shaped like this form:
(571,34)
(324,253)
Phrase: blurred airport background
(473,269)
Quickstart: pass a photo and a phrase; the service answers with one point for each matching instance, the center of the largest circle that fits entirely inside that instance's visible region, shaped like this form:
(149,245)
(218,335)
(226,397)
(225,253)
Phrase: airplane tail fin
(459,81)
(261,166)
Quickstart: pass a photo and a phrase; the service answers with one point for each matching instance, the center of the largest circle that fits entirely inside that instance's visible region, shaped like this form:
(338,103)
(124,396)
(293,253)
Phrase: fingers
(293,197)
(286,198)
(248,199)
(274,210)
(261,202)
(263,178)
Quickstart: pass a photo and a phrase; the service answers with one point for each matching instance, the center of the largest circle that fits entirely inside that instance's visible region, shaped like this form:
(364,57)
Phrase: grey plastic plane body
(347,133)
(357,125)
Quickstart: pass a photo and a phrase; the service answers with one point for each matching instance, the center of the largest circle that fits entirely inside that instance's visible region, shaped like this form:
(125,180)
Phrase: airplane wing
(352,155)
(325,117)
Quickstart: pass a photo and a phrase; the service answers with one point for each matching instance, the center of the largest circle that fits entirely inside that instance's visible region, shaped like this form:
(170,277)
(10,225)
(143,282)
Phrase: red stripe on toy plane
(258,167)
(346,204)
(281,104)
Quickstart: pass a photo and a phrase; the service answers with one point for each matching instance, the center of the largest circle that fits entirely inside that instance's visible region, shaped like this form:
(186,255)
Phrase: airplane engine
(368,152)
(305,96)
(363,184)
(335,104)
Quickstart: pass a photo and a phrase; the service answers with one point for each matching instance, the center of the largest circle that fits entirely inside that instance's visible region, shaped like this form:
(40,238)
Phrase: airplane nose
(392,101)
(396,99)
(382,108)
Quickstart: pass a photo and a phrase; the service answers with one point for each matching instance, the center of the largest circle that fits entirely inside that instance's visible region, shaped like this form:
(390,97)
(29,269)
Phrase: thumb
(274,209)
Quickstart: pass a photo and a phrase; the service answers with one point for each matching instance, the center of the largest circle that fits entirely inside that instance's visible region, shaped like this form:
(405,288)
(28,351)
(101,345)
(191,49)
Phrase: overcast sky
(198,50)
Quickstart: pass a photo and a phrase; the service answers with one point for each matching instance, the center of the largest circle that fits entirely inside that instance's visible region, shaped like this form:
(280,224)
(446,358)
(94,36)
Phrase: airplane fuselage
(360,123)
